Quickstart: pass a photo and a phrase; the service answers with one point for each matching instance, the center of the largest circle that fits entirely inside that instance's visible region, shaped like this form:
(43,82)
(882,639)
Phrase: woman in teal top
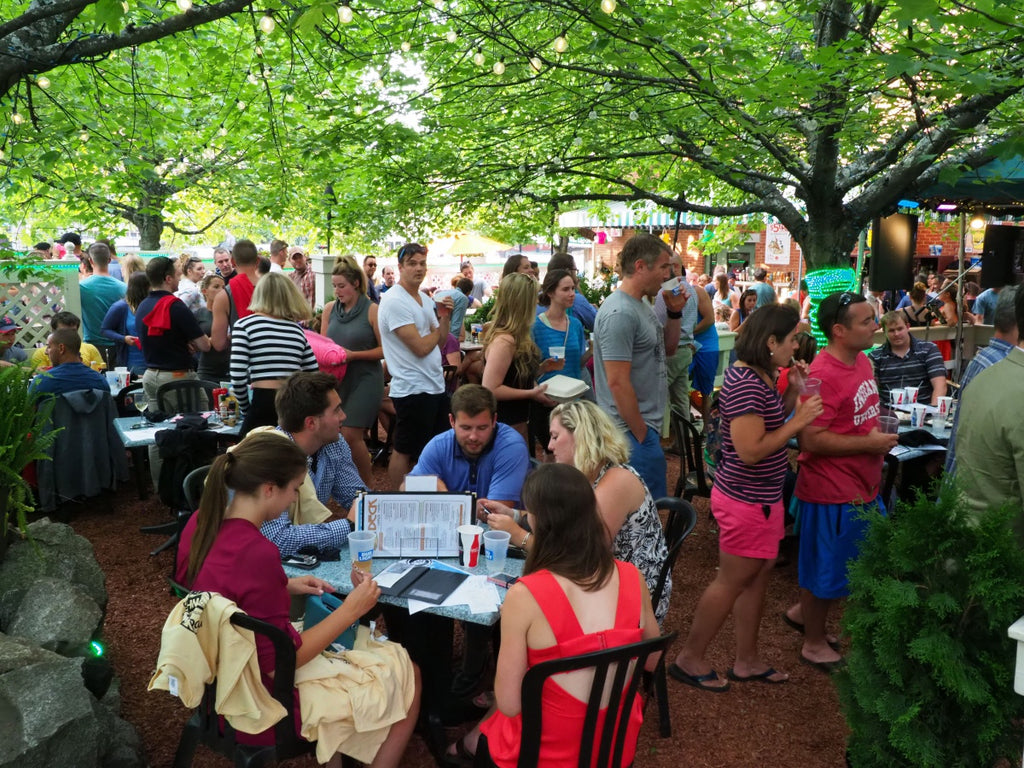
(556,327)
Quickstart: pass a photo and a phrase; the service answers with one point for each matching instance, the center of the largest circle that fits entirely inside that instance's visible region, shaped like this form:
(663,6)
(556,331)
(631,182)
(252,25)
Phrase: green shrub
(929,678)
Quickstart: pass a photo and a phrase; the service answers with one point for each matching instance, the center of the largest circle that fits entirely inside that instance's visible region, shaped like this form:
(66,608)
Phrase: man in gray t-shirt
(630,349)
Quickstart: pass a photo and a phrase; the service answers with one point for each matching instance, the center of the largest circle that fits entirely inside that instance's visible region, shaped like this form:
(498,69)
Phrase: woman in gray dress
(351,322)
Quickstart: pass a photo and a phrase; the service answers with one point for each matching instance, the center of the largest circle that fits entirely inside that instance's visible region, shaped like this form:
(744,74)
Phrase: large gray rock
(54,550)
(56,615)
(46,715)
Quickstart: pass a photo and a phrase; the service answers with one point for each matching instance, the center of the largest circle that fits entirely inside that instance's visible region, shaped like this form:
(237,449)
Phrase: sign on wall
(776,244)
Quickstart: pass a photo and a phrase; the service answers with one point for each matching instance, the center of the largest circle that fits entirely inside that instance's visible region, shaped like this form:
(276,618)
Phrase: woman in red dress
(573,598)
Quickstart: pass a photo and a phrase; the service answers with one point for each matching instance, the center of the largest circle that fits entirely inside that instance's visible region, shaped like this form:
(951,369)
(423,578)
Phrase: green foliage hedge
(929,678)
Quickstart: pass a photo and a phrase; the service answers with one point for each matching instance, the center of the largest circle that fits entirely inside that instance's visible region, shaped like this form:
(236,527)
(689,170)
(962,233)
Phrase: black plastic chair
(681,520)
(693,479)
(185,396)
(123,409)
(619,671)
(206,727)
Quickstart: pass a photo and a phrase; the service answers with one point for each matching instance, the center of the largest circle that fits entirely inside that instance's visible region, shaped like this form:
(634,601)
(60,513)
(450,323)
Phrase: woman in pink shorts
(747,497)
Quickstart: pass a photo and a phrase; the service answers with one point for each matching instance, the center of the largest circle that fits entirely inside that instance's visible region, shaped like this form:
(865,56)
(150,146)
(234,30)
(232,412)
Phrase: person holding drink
(747,496)
(226,553)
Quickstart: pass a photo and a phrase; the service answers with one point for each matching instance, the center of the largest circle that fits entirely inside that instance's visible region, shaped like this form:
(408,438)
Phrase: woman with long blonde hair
(267,347)
(511,358)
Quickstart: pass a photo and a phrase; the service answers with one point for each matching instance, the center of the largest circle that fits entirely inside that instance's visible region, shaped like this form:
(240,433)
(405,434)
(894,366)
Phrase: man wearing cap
(99,292)
(76,245)
(303,276)
(10,352)
(411,334)
(480,290)
(68,373)
(842,452)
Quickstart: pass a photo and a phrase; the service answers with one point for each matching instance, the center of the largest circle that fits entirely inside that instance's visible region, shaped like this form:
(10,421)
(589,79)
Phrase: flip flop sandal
(697,681)
(761,677)
(797,626)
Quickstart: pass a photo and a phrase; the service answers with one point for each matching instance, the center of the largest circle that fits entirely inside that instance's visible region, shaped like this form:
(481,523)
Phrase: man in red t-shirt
(840,469)
(233,305)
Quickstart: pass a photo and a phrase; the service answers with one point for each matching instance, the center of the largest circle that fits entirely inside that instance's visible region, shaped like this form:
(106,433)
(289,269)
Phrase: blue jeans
(648,460)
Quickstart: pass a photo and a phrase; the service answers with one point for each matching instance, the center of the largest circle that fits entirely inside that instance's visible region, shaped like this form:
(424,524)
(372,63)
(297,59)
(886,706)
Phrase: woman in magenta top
(573,598)
(226,553)
(747,497)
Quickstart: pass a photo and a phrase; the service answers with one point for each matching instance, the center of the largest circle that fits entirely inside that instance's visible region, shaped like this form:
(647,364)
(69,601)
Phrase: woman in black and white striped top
(267,347)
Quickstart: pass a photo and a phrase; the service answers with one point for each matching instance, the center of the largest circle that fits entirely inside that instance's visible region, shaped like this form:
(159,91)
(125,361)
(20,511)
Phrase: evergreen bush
(929,678)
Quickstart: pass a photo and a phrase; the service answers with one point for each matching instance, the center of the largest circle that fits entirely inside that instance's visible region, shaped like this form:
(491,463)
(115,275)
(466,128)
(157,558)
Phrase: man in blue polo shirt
(477,454)
(490,459)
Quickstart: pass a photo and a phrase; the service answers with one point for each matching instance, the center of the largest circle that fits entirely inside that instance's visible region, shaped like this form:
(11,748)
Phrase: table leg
(139,470)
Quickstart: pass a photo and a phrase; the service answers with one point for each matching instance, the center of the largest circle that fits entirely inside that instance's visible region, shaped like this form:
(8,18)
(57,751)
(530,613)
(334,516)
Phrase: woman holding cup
(747,497)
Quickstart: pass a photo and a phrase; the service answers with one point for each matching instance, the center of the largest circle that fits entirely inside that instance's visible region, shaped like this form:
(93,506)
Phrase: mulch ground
(771,726)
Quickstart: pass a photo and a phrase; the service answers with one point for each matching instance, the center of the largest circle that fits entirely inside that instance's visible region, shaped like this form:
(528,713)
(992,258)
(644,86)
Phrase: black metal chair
(618,672)
(681,520)
(185,396)
(206,727)
(693,478)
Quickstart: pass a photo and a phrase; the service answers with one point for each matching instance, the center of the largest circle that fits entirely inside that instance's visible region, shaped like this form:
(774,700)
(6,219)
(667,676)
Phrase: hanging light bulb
(289,98)
(84,135)
(378,84)
(183,5)
(406,46)
(708,150)
(479,58)
(258,50)
(252,78)
(536,63)
(124,6)
(592,114)
(43,82)
(499,67)
(17,118)
(240,105)
(357,109)
(451,36)
(222,131)
(977,221)
(608,6)
(267,23)
(634,115)
(345,13)
(561,45)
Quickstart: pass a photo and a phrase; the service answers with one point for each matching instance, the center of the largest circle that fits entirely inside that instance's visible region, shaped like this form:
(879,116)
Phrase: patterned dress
(641,541)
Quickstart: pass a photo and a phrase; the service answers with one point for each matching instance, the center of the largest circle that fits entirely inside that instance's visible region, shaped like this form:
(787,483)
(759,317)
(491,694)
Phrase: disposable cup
(496,549)
(890,425)
(469,544)
(360,546)
(898,396)
(939,425)
(944,404)
(557,353)
(911,395)
(673,285)
(811,388)
(917,413)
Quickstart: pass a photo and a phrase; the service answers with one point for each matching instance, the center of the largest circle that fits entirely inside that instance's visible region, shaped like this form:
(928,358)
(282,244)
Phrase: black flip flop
(797,626)
(697,681)
(761,677)
(462,758)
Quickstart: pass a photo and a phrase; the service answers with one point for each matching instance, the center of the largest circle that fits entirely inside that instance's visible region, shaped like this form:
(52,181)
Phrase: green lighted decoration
(97,648)
(821,283)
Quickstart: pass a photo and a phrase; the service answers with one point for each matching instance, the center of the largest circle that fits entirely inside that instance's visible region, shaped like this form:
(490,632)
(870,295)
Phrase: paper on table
(479,594)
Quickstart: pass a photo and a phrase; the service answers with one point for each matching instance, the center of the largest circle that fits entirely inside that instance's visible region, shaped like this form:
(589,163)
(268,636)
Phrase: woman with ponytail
(223,551)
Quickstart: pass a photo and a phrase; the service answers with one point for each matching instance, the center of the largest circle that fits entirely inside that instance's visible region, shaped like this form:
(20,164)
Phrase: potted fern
(25,435)
(929,678)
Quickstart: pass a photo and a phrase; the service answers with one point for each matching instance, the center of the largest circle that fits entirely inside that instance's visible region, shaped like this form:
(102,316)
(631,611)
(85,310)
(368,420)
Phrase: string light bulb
(406,46)
(357,109)
(222,131)
(561,45)
(608,6)
(499,67)
(345,14)
(536,63)
(267,23)
(479,58)
(240,105)
(451,36)
(183,5)
(43,82)
(977,221)
(84,135)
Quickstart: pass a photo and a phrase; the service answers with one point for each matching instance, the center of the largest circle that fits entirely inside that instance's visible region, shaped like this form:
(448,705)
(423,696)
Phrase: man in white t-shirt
(278,255)
(411,335)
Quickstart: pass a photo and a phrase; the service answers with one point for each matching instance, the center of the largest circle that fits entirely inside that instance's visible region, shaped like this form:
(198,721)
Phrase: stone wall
(59,705)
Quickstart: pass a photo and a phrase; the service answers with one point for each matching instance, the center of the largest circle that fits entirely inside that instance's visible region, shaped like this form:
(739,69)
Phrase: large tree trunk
(151,226)
(827,236)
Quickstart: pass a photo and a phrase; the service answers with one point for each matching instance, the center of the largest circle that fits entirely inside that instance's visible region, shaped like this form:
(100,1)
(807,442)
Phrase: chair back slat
(681,520)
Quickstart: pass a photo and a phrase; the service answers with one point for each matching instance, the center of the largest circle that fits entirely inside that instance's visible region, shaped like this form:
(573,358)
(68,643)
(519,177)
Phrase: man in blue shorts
(840,470)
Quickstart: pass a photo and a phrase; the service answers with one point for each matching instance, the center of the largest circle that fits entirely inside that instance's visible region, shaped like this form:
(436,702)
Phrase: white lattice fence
(32,303)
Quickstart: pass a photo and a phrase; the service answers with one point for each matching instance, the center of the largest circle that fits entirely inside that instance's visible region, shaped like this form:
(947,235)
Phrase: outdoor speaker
(1001,254)
(893,240)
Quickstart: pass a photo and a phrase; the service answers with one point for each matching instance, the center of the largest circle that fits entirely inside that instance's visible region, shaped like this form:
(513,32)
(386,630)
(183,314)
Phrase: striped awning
(641,214)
